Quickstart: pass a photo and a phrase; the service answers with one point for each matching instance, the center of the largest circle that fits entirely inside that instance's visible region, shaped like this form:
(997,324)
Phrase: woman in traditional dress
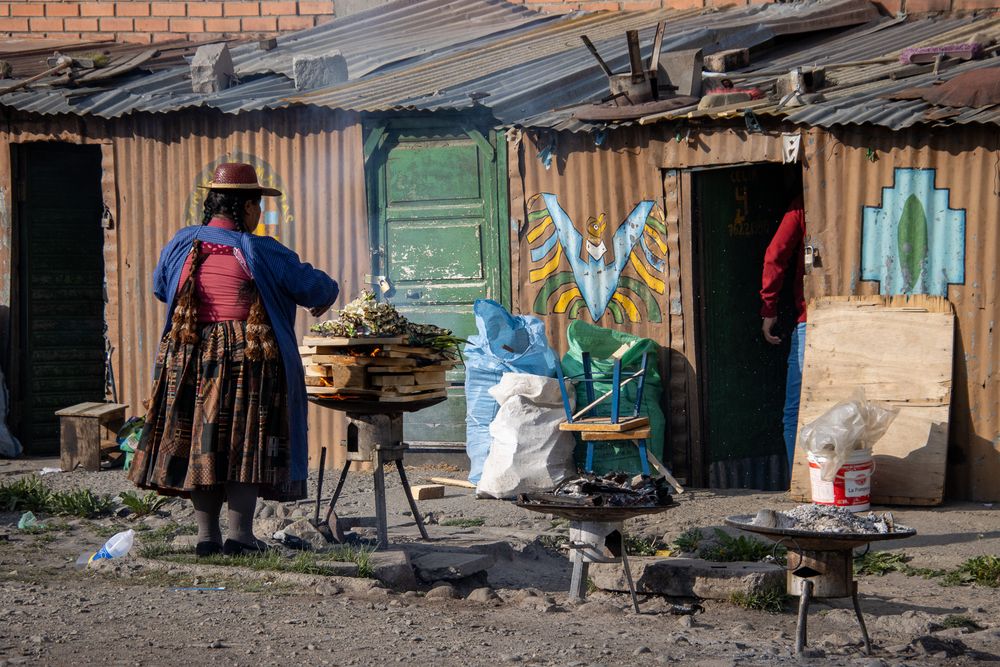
(226,420)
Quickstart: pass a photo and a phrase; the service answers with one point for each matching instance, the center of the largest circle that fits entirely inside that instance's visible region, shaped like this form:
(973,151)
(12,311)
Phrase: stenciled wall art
(276,214)
(613,269)
(914,243)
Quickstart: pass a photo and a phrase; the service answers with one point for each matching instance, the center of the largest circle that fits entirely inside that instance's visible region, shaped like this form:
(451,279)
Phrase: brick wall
(157,21)
(889,6)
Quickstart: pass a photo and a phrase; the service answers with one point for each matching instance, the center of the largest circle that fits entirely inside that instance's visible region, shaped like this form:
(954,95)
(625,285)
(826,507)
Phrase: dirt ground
(131,613)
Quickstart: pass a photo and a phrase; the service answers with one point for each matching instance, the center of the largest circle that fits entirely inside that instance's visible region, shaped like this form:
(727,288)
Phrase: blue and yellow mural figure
(276,217)
(914,243)
(597,257)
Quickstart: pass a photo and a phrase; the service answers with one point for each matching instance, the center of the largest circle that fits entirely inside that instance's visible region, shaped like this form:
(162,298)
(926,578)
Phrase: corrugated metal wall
(590,181)
(316,157)
(848,170)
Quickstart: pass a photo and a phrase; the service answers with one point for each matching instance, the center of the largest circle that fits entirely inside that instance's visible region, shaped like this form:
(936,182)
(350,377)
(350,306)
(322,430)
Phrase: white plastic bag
(528,453)
(852,425)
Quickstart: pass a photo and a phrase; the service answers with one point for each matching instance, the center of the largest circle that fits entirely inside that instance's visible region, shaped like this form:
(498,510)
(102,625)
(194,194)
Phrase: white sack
(528,453)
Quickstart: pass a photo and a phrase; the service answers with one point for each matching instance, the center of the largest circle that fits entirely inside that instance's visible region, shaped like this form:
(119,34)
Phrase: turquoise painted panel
(435,250)
(428,171)
(914,243)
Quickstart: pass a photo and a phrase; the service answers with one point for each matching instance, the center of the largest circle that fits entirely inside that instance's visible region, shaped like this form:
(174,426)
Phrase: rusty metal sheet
(716,146)
(315,158)
(572,254)
(861,190)
(978,88)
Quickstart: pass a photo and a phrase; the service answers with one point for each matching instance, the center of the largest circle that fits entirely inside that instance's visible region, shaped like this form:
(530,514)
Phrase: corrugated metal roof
(529,75)
(857,93)
(528,69)
(404,31)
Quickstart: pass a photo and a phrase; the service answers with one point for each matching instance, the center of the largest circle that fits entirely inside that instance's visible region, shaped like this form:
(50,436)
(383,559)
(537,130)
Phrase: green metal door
(60,287)
(437,202)
(738,210)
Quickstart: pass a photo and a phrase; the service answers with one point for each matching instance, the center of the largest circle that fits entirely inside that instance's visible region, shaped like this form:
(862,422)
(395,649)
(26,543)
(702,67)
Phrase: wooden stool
(82,429)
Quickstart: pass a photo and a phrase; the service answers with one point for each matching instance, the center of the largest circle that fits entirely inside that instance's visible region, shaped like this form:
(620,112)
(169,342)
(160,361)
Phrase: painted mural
(914,243)
(614,269)
(276,217)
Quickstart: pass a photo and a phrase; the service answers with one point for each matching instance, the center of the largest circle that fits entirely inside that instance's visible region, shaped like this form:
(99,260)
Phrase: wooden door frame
(692,239)
(375,129)
(9,287)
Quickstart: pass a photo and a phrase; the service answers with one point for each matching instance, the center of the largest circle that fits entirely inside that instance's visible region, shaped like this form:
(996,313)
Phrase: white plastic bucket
(851,488)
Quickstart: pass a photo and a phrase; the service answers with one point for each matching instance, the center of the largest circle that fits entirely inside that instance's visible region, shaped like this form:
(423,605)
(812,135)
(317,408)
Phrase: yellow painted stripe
(630,308)
(548,269)
(656,239)
(651,281)
(539,228)
(567,298)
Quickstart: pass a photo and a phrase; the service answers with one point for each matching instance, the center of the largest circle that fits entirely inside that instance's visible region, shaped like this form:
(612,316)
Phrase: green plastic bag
(602,344)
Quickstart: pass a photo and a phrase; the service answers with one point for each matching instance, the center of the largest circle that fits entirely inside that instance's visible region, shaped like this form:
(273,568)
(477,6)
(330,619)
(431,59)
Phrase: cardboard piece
(900,350)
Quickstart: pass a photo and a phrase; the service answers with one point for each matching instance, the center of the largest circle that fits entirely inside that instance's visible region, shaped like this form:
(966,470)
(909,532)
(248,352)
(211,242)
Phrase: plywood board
(601,424)
(323,341)
(900,351)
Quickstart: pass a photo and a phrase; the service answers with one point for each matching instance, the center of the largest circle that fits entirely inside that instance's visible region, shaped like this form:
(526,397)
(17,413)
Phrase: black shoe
(207,548)
(234,548)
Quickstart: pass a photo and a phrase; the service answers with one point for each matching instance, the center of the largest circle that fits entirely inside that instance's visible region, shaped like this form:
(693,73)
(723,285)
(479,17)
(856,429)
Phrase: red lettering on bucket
(850,488)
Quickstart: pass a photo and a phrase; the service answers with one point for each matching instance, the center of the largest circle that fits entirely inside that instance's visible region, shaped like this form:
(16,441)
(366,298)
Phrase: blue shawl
(284,281)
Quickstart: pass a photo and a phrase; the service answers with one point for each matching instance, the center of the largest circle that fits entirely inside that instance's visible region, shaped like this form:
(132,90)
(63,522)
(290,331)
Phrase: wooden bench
(82,430)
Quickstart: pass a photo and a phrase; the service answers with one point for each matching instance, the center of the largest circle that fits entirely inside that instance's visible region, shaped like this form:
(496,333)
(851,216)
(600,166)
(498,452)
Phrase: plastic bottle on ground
(116,547)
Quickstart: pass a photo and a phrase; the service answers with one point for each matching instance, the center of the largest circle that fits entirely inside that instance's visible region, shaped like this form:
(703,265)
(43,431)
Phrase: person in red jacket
(783,261)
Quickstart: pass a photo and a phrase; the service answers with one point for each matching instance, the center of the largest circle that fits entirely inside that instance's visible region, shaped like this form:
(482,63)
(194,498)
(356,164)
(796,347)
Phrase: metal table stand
(820,566)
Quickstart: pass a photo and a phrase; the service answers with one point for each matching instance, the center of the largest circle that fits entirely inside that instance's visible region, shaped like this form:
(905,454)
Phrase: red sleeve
(778,259)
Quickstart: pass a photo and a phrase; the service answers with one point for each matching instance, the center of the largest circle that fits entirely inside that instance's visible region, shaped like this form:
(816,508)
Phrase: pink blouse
(219,280)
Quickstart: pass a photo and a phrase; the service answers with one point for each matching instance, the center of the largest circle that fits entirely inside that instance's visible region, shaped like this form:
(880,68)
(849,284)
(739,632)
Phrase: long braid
(261,343)
(184,322)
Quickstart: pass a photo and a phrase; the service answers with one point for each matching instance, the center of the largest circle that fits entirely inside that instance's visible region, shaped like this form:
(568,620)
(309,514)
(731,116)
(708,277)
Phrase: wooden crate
(82,430)
(373,368)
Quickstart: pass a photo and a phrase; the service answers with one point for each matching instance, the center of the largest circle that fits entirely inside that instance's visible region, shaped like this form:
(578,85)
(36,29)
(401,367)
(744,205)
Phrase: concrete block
(451,566)
(393,569)
(726,61)
(428,491)
(689,577)
(211,69)
(312,72)
(682,69)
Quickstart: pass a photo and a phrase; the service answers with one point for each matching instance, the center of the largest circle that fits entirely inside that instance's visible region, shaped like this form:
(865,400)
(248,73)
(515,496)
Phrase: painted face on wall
(598,257)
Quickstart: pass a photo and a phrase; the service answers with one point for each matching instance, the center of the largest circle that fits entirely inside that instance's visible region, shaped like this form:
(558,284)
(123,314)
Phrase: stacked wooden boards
(373,369)
(899,350)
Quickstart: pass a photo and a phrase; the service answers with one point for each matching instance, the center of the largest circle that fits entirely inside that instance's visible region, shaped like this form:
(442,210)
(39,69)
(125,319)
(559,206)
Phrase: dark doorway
(736,212)
(58,332)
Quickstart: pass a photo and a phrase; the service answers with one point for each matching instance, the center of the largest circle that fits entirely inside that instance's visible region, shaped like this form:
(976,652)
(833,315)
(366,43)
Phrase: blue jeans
(793,389)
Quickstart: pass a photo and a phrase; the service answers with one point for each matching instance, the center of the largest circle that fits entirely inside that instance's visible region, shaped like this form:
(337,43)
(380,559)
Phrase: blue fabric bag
(504,343)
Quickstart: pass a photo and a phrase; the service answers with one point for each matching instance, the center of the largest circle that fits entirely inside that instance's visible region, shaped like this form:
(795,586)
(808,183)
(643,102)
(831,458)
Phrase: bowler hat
(238,176)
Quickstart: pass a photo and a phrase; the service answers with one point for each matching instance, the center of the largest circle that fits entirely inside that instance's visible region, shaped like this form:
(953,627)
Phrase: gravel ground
(130,613)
